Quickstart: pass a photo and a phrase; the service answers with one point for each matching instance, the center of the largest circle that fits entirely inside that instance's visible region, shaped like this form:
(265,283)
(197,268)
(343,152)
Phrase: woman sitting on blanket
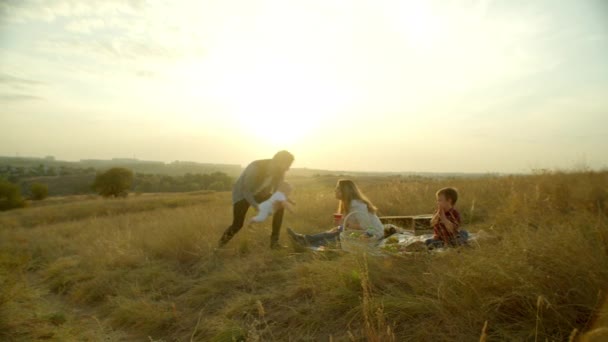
(362,224)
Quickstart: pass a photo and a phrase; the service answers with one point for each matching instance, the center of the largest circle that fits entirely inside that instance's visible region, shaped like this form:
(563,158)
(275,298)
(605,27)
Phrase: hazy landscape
(137,135)
(143,267)
(71,178)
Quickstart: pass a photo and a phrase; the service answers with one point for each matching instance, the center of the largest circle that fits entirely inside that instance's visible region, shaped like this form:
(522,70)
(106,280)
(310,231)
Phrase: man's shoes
(297,238)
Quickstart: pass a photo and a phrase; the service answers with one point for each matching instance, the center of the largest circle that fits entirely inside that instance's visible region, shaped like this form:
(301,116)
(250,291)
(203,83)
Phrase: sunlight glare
(280,103)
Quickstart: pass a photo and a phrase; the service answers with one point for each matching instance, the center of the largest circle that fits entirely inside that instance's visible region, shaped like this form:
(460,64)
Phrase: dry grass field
(144,268)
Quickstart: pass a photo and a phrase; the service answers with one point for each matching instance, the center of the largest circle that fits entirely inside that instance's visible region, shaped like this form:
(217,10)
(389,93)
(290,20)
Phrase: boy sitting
(446,221)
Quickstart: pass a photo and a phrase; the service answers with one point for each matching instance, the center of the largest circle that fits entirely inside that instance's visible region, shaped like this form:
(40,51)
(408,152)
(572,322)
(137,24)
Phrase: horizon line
(134,159)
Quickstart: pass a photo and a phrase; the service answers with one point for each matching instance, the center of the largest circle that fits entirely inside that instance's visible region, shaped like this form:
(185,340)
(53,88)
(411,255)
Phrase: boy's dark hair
(450,194)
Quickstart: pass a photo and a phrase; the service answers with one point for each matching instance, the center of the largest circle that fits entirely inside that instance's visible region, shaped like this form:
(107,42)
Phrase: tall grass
(139,274)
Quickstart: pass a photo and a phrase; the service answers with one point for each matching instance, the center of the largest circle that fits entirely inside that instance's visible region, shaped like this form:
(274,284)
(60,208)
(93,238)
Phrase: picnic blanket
(400,243)
(408,242)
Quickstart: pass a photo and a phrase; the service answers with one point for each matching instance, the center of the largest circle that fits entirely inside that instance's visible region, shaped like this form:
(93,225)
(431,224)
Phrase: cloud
(117,48)
(145,74)
(85,25)
(95,38)
(18,98)
(13,83)
(17,81)
(48,11)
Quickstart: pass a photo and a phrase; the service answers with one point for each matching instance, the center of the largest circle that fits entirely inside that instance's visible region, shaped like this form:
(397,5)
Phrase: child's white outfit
(267,207)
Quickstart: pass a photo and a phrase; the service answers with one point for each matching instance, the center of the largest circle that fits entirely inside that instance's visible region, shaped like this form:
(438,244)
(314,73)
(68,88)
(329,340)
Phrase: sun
(279,85)
(280,104)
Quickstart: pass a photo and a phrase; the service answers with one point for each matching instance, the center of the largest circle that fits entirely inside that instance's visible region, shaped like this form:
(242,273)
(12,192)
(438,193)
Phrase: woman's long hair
(350,192)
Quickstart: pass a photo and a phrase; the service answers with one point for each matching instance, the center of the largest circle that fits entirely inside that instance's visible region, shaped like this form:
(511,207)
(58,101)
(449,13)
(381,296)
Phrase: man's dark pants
(239,211)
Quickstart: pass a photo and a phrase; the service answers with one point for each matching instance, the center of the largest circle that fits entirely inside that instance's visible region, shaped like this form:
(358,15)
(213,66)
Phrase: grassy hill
(144,268)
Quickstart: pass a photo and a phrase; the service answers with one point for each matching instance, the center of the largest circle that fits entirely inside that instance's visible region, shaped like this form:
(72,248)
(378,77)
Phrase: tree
(114,182)
(39,191)
(216,186)
(10,196)
(39,170)
(219,181)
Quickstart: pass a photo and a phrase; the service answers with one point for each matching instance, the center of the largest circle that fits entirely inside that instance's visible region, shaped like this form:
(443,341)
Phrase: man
(255,185)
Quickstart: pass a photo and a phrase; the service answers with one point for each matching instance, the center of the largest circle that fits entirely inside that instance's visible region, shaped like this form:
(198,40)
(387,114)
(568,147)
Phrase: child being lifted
(279,199)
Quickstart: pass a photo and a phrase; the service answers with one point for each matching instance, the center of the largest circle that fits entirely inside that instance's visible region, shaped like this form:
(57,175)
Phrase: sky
(452,86)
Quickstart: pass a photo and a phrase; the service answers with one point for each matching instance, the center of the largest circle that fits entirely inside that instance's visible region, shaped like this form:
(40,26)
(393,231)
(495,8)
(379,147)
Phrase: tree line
(115,182)
(16,173)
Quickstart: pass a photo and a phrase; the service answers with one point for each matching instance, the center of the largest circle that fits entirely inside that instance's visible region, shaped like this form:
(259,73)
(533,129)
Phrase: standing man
(255,185)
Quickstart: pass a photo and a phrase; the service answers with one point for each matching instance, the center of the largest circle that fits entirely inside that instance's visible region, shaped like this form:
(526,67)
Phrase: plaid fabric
(442,233)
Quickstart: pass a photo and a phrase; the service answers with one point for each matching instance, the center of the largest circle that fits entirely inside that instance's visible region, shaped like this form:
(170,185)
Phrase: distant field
(143,268)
